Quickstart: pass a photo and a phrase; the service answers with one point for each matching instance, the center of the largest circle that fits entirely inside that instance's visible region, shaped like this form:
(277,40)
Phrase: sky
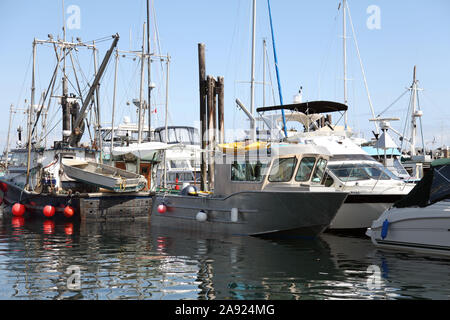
(392,36)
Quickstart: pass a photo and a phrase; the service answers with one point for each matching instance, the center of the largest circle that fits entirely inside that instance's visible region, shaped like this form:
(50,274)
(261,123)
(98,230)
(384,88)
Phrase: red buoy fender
(162,208)
(18,209)
(49,211)
(69,211)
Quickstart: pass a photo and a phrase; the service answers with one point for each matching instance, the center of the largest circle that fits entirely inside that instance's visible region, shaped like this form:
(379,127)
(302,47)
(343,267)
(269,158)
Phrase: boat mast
(166,119)
(11,111)
(344,38)
(141,98)
(114,105)
(149,86)
(413,114)
(264,72)
(97,96)
(362,68)
(64,103)
(30,110)
(141,91)
(252,77)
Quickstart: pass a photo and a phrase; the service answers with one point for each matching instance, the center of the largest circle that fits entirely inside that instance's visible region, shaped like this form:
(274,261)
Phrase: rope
(396,100)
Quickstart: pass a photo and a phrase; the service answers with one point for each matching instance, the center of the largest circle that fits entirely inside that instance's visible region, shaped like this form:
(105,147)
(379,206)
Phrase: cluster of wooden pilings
(211,95)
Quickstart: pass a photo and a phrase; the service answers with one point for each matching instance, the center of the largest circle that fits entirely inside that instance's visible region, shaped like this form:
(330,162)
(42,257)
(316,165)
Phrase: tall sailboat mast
(149,86)
(252,77)
(344,40)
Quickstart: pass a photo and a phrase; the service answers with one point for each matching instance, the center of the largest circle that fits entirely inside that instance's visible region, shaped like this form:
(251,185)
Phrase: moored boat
(372,187)
(420,221)
(51,182)
(275,190)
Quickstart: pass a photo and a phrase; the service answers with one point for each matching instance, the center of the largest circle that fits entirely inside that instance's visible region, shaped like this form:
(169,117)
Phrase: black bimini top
(309,107)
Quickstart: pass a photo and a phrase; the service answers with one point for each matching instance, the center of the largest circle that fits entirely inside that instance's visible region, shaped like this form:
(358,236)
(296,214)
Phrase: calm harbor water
(133,260)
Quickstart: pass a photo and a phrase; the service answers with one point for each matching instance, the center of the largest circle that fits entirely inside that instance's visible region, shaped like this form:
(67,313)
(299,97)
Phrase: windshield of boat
(185,135)
(319,171)
(361,171)
(282,169)
(399,168)
(305,169)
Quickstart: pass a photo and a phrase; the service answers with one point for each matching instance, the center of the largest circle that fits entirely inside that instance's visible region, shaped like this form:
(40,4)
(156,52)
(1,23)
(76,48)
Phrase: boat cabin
(271,167)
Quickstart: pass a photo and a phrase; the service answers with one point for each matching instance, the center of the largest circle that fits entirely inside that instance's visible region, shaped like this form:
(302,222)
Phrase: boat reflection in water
(130,260)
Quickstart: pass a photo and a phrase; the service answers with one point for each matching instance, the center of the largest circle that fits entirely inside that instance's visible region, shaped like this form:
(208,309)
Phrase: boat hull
(414,229)
(360,210)
(87,206)
(259,213)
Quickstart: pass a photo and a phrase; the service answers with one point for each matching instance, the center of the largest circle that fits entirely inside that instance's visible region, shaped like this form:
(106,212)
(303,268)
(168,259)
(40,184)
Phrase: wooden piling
(220,109)
(203,134)
(211,128)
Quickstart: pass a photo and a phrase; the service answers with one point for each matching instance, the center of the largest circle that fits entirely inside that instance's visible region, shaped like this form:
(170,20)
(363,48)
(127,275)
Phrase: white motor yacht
(372,187)
(421,221)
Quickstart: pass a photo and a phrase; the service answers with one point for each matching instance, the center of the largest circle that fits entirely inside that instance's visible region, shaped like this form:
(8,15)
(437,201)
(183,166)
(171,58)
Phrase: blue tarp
(380,152)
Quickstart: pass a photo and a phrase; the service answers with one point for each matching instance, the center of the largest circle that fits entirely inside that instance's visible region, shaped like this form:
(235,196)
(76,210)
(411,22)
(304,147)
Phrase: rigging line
(325,60)
(77,60)
(59,121)
(127,86)
(158,41)
(396,100)
(76,77)
(270,78)
(425,94)
(233,37)
(25,79)
(406,119)
(362,68)
(46,112)
(51,84)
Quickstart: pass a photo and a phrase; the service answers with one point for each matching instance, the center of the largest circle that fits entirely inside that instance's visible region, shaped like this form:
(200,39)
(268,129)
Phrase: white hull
(357,215)
(417,229)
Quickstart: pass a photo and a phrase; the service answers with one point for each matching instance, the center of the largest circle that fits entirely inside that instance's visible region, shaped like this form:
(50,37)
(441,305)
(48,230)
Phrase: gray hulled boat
(260,189)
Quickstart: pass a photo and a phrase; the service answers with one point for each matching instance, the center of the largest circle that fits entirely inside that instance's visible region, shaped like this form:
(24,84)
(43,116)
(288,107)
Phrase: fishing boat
(272,190)
(180,149)
(421,221)
(68,179)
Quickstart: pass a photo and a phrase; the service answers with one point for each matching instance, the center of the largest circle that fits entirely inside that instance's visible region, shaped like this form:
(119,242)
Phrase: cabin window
(305,169)
(329,181)
(319,171)
(362,171)
(178,164)
(248,171)
(282,169)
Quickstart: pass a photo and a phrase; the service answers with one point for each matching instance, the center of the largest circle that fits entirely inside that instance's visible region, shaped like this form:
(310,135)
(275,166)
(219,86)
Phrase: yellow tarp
(242,146)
